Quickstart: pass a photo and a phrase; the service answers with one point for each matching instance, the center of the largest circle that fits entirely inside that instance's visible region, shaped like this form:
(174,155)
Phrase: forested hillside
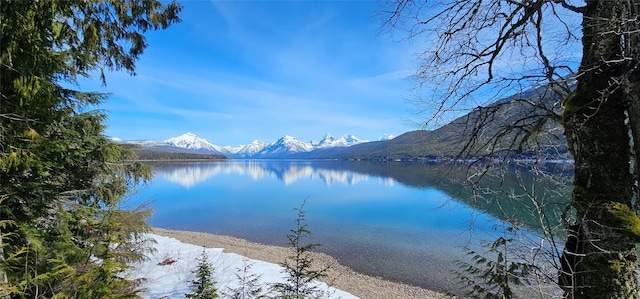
(468,137)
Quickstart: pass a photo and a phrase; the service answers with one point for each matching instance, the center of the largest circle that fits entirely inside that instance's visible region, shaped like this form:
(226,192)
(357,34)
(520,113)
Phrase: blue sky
(236,71)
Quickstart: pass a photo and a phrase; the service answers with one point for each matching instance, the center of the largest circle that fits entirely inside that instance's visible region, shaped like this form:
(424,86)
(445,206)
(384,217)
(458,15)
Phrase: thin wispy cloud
(238,71)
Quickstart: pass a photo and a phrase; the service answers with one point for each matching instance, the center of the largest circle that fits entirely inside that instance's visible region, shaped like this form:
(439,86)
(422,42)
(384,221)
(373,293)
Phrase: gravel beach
(339,276)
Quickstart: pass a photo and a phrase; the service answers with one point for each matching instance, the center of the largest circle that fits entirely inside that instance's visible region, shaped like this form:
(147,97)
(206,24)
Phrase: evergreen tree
(64,229)
(203,286)
(492,274)
(299,270)
(249,283)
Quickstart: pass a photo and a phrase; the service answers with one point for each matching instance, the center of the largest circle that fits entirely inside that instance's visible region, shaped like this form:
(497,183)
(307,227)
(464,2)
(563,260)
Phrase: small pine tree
(492,275)
(249,286)
(298,267)
(203,286)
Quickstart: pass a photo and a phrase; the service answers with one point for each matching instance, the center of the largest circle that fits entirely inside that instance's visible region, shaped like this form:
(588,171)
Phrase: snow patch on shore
(167,271)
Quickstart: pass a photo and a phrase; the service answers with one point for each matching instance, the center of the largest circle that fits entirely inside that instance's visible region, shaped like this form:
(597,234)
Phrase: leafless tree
(585,54)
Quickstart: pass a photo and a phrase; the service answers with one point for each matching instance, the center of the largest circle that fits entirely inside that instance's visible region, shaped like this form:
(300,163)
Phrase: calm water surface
(382,219)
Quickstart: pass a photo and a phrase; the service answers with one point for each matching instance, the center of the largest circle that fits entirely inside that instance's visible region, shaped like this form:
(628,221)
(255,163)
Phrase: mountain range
(523,126)
(283,147)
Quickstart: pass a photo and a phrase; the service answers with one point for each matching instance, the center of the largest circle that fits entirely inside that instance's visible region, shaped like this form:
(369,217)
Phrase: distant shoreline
(339,276)
(523,161)
(180,160)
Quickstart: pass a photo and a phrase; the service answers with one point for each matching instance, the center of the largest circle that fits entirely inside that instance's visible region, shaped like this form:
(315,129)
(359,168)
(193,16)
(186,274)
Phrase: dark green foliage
(299,268)
(203,286)
(493,274)
(156,156)
(144,154)
(65,229)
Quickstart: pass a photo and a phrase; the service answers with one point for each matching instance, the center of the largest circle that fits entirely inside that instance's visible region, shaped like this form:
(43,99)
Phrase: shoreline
(338,276)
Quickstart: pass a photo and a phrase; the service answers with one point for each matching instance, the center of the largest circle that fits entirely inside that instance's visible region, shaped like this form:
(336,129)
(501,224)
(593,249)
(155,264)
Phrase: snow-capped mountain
(286,145)
(191,141)
(386,137)
(244,151)
(290,145)
(346,140)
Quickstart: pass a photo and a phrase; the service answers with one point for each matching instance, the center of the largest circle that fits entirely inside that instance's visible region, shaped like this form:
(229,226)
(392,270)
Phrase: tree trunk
(631,81)
(595,120)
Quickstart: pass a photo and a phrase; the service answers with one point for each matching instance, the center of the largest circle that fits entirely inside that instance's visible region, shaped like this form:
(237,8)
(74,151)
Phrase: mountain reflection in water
(399,221)
(192,173)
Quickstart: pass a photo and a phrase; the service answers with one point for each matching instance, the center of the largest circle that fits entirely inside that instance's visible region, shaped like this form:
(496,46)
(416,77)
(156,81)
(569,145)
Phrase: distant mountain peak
(385,137)
(193,142)
(327,138)
(346,140)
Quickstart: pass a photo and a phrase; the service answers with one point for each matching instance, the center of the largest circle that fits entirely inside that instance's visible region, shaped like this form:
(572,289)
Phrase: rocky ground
(339,276)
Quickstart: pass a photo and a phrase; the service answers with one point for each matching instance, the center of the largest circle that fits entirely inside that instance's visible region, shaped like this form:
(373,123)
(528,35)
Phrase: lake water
(393,220)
